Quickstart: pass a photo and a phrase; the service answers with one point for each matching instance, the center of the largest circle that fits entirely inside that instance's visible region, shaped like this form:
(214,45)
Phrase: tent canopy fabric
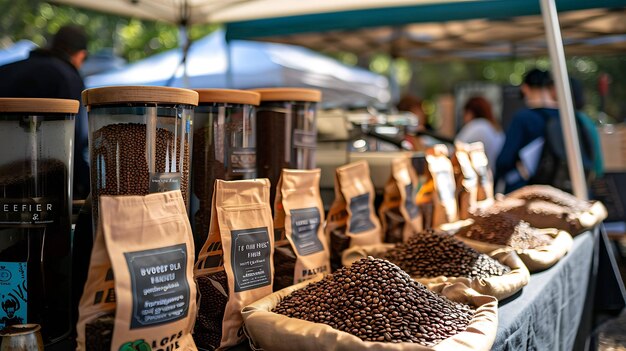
(253,65)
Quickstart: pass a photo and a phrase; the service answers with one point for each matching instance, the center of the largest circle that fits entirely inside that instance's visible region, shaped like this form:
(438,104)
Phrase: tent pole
(566,107)
(229,65)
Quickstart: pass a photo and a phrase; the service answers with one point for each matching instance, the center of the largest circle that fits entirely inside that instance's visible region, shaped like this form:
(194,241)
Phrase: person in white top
(480,125)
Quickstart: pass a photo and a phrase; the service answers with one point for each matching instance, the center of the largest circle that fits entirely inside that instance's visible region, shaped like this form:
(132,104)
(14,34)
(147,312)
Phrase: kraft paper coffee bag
(140,293)
(235,266)
(444,199)
(485,176)
(301,251)
(352,219)
(399,214)
(467,181)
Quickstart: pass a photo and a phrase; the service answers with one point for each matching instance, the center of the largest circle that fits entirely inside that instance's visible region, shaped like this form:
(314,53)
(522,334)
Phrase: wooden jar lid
(228,96)
(139,94)
(39,105)
(289,94)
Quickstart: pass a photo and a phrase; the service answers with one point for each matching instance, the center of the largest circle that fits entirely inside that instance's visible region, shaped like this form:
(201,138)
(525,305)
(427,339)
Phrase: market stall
(208,230)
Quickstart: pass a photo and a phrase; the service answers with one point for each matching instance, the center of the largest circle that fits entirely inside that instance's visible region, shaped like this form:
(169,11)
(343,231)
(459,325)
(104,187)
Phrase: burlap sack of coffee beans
(399,214)
(235,266)
(372,305)
(549,207)
(433,258)
(538,248)
(352,218)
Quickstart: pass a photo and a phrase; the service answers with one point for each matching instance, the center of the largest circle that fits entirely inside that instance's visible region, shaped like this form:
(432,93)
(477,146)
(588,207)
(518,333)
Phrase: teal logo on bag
(138,345)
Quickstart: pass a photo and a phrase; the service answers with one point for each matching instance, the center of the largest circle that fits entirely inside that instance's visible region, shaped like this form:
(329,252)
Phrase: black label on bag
(243,160)
(250,258)
(305,223)
(159,285)
(360,220)
(27,211)
(409,203)
(304,139)
(162,182)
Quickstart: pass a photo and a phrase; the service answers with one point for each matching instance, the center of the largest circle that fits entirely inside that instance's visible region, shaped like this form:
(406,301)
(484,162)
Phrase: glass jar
(36,139)
(139,140)
(224,147)
(286,131)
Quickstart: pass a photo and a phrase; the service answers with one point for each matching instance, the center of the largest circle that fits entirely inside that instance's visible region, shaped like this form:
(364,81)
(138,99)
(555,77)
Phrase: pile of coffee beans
(208,327)
(119,163)
(504,229)
(284,265)
(99,333)
(551,195)
(431,254)
(376,301)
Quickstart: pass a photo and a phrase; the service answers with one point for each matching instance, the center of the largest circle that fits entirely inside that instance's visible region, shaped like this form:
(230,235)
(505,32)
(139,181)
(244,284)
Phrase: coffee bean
(119,163)
(208,327)
(430,254)
(99,333)
(504,229)
(392,320)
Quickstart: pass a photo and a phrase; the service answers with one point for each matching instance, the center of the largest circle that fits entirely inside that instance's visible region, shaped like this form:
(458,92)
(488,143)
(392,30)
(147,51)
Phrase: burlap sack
(271,331)
(466,180)
(399,214)
(352,219)
(235,265)
(301,250)
(500,287)
(444,199)
(536,259)
(141,269)
(485,176)
(549,207)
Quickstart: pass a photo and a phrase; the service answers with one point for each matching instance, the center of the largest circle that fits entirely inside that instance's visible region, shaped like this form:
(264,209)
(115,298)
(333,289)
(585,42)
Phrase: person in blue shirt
(527,125)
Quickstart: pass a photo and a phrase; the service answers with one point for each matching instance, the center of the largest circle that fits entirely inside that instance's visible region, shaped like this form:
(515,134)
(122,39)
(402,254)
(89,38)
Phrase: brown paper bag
(275,332)
(444,199)
(485,176)
(467,181)
(235,265)
(301,250)
(400,217)
(352,219)
(499,287)
(145,243)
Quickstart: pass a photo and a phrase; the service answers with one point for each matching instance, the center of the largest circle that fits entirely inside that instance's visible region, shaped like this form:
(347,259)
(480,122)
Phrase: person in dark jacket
(53,73)
(527,125)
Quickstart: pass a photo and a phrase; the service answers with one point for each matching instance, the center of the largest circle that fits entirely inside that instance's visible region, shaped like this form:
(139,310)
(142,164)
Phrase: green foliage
(132,39)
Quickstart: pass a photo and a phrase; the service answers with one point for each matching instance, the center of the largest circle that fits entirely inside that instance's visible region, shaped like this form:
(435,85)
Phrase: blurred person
(52,72)
(578,99)
(481,125)
(413,104)
(527,125)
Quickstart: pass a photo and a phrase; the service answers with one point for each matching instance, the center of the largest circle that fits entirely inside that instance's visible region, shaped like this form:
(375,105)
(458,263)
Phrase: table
(560,307)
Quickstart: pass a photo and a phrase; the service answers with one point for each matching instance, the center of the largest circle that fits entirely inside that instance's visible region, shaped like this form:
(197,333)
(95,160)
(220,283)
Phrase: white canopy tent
(273,18)
(252,65)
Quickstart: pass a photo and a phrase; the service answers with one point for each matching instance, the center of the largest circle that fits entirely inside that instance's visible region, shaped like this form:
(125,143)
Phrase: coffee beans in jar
(224,147)
(376,301)
(286,131)
(504,229)
(431,254)
(139,140)
(214,293)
